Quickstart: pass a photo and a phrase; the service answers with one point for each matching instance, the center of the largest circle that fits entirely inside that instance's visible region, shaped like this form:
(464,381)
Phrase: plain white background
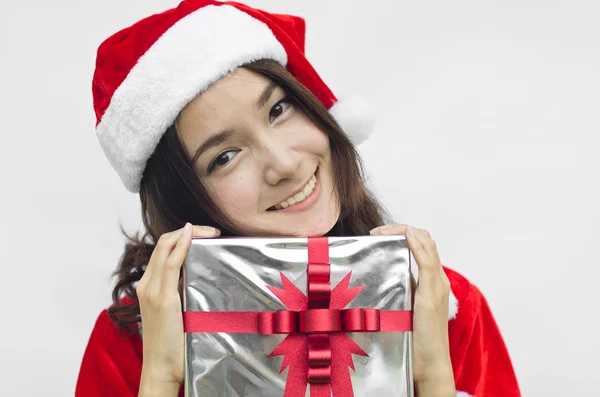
(487,136)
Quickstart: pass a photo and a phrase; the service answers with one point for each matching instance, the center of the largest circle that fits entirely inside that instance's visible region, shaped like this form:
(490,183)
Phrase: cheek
(235,196)
(310,137)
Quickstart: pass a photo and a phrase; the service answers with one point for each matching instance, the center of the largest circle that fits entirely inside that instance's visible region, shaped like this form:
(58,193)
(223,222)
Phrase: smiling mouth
(299,197)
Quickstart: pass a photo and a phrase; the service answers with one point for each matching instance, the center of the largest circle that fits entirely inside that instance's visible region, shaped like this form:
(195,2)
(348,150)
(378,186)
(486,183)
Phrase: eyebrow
(214,140)
(222,136)
(266,94)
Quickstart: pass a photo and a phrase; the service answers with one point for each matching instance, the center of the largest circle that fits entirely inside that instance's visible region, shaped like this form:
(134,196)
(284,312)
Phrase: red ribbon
(317,348)
(319,320)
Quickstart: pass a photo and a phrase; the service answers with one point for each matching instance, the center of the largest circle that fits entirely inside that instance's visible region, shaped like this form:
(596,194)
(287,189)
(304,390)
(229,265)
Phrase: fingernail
(212,230)
(378,229)
(187,228)
(410,231)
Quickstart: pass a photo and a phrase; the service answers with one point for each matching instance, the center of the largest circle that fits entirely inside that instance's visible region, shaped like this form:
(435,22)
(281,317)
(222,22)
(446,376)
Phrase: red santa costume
(147,73)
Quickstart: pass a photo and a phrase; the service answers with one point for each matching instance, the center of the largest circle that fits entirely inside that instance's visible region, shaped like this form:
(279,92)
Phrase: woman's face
(263,162)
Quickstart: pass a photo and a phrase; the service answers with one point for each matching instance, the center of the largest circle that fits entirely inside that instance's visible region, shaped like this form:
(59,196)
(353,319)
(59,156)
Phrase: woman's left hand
(432,369)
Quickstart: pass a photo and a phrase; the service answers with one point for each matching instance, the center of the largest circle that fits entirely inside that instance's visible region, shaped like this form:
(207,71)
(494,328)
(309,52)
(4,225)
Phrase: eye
(222,159)
(279,108)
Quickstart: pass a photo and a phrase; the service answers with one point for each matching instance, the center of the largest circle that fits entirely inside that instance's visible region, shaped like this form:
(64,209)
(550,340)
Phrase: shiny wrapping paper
(235,275)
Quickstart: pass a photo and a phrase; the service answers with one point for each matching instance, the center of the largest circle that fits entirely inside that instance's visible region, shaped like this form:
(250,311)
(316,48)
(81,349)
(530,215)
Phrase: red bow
(317,348)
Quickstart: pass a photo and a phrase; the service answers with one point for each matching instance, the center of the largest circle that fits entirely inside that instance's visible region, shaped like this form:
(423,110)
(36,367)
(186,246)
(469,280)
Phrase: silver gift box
(232,275)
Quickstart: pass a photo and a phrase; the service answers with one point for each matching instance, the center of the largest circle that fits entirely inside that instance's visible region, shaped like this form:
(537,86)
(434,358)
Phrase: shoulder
(474,337)
(463,312)
(465,298)
(107,334)
(112,361)
(468,309)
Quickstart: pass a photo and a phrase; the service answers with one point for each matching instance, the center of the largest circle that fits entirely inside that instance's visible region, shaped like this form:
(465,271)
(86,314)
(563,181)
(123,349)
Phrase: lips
(297,197)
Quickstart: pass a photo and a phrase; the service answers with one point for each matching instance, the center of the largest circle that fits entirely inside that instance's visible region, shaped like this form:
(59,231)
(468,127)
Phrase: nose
(280,160)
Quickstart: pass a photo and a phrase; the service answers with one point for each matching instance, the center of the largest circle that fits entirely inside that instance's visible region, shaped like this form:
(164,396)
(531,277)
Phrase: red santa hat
(147,73)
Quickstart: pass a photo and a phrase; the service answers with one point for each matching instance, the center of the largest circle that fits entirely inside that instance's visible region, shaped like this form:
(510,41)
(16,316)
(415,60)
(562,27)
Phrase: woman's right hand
(161,312)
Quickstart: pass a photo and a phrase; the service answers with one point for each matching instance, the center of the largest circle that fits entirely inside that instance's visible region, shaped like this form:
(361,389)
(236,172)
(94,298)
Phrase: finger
(413,287)
(415,246)
(429,245)
(426,276)
(424,250)
(167,242)
(161,251)
(391,229)
(173,263)
(443,273)
(165,245)
(205,231)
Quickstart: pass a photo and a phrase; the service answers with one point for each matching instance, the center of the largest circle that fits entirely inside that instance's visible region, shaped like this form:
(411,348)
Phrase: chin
(315,231)
(319,229)
(318,224)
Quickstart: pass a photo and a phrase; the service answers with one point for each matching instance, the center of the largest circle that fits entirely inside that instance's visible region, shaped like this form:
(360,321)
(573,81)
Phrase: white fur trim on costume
(452,301)
(356,117)
(452,306)
(170,74)
(463,394)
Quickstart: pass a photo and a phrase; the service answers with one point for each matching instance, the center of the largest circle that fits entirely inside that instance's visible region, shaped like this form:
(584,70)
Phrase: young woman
(213,114)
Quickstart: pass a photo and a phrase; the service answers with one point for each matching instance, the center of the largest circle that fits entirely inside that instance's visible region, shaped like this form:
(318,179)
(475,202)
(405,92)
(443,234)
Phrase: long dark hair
(172,194)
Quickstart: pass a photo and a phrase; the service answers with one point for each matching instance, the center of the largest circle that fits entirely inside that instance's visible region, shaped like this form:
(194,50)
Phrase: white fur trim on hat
(170,75)
(463,394)
(355,116)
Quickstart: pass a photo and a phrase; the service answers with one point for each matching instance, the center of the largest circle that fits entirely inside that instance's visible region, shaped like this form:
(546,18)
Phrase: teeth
(299,196)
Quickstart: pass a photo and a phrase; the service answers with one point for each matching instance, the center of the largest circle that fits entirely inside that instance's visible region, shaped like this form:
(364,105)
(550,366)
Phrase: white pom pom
(355,116)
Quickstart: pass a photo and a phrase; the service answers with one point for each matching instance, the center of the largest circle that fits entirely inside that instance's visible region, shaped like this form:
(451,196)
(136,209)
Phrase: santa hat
(147,73)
